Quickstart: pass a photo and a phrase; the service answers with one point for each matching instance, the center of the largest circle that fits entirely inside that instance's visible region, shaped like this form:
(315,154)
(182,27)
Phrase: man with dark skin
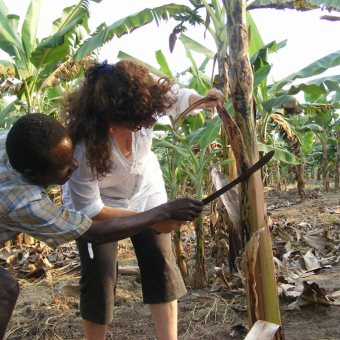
(35,153)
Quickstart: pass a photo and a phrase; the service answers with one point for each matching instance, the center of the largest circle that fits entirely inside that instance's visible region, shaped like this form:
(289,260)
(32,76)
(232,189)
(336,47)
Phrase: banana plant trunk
(300,177)
(261,288)
(180,255)
(299,170)
(199,278)
(276,179)
(337,164)
(222,83)
(325,174)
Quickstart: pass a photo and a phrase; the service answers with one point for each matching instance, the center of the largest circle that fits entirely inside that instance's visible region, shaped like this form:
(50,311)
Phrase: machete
(258,165)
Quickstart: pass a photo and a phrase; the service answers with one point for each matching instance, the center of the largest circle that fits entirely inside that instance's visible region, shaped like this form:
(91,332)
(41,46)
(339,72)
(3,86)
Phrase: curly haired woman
(110,119)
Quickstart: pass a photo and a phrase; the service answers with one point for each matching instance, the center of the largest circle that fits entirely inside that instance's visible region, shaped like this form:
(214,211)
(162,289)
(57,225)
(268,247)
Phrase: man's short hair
(31,139)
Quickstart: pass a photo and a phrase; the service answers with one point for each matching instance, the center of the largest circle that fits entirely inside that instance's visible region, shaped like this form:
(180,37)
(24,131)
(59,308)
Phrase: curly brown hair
(124,94)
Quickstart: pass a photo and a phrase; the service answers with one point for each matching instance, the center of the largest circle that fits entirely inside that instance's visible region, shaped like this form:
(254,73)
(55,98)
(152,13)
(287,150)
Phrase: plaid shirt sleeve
(48,222)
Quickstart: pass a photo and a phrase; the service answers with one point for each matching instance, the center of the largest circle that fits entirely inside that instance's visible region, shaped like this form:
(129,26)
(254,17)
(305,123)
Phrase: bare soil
(47,307)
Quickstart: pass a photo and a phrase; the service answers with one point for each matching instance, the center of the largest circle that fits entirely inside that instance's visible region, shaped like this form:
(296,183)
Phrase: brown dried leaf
(313,294)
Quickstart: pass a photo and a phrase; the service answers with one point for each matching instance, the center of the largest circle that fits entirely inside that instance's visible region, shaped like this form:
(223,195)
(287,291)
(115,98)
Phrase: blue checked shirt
(26,208)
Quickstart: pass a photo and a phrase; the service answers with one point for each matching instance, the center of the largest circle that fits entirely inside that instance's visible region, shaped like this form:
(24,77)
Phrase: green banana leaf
(277,102)
(280,154)
(7,116)
(298,5)
(128,24)
(306,140)
(318,86)
(56,46)
(335,100)
(193,45)
(313,69)
(125,56)
(256,41)
(162,62)
(261,55)
(261,74)
(9,40)
(162,143)
(207,134)
(311,127)
(30,27)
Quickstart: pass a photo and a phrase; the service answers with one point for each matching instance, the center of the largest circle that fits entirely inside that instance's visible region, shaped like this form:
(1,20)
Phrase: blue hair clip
(98,70)
(104,67)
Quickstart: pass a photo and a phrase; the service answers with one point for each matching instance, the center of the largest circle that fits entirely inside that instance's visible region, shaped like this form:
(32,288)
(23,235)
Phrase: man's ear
(31,175)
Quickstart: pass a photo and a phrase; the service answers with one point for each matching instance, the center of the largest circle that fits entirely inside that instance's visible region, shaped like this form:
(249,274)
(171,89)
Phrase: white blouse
(135,184)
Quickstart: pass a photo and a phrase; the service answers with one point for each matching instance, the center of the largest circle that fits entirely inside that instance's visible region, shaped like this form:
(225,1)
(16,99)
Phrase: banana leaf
(333,5)
(280,154)
(128,24)
(317,67)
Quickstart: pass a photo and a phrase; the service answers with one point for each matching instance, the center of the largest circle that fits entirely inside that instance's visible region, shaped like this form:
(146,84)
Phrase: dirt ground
(306,247)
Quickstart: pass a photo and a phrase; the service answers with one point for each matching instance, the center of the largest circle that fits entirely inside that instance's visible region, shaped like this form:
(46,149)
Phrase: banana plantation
(263,260)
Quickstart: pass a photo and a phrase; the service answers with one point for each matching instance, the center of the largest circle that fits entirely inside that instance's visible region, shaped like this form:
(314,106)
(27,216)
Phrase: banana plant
(324,123)
(191,156)
(40,66)
(261,289)
(216,27)
(337,160)
(171,160)
(296,5)
(281,97)
(286,129)
(62,55)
